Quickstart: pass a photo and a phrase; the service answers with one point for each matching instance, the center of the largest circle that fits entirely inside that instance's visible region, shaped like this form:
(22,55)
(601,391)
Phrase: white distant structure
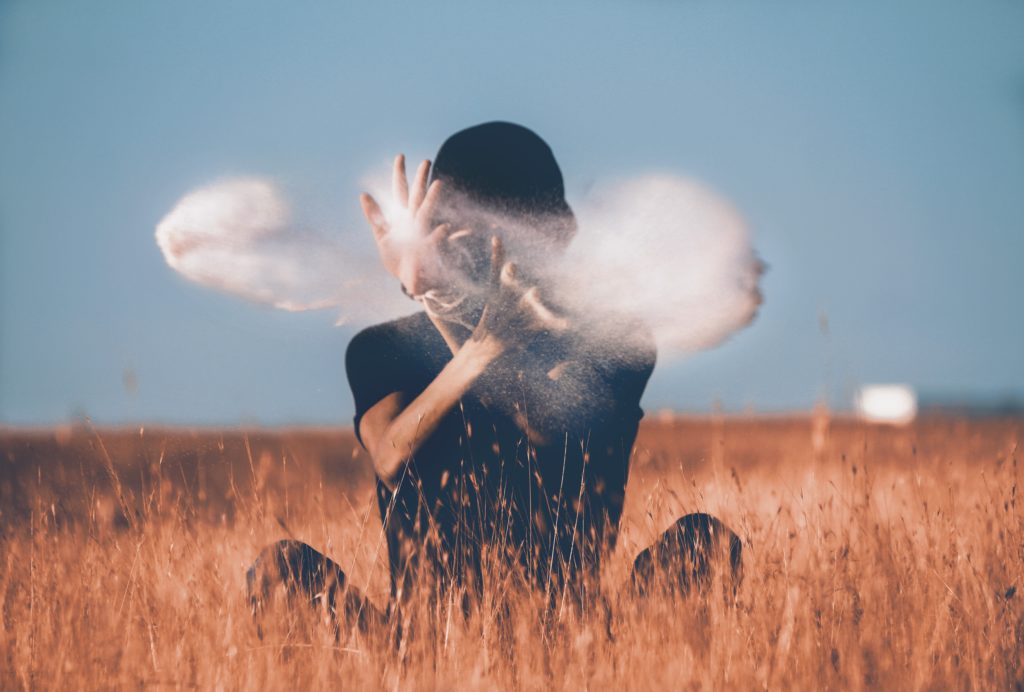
(886,403)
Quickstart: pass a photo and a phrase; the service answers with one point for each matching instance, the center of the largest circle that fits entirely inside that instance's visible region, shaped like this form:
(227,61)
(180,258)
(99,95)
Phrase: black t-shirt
(480,494)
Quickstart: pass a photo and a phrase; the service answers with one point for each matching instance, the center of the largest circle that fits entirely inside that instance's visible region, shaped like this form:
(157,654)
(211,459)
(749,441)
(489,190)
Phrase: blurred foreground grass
(873,556)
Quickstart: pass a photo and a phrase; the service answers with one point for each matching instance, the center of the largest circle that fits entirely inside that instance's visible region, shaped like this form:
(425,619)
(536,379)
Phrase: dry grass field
(874,557)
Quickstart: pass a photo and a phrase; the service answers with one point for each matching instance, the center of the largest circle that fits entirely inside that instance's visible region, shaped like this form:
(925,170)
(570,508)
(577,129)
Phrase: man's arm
(512,388)
(393,432)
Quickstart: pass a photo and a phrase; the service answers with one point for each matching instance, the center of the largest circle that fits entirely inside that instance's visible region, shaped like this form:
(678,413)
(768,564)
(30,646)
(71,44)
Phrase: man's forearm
(542,404)
(406,432)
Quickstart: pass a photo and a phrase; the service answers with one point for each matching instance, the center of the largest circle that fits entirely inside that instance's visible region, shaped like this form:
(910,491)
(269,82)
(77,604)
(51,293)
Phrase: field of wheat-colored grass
(873,557)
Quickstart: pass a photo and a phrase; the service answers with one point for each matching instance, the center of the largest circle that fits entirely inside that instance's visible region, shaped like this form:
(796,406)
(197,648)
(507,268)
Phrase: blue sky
(877,150)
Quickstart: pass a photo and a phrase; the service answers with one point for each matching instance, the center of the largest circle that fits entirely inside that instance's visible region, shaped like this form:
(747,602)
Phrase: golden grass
(872,557)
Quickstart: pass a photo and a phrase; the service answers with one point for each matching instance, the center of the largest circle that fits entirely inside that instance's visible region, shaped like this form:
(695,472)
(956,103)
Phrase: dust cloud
(659,250)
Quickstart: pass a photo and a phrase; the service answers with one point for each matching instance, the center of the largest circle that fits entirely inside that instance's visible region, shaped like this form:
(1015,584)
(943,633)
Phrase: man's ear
(570,232)
(561,230)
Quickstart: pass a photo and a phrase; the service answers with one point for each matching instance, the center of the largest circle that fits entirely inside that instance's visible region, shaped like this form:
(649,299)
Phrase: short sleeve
(629,383)
(623,374)
(373,365)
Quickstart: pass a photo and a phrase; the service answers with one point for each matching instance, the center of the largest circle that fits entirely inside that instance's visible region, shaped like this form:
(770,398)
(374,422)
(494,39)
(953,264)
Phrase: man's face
(463,255)
(448,270)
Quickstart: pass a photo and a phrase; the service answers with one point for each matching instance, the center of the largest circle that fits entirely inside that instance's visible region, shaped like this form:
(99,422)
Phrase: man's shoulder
(405,328)
(413,334)
(622,343)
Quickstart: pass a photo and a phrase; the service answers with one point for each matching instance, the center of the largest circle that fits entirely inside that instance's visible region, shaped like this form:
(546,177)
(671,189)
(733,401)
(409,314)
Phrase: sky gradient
(876,150)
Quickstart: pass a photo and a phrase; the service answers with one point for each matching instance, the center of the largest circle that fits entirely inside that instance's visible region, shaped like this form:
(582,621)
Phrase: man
(499,427)
(479,419)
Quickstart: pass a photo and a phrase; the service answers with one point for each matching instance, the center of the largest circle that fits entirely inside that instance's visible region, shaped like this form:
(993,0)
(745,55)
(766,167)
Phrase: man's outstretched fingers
(373,214)
(508,274)
(497,261)
(419,186)
(547,318)
(399,183)
(425,212)
(439,233)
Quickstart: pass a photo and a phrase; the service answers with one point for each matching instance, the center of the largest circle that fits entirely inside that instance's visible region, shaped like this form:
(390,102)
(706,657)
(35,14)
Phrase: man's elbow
(378,437)
(389,466)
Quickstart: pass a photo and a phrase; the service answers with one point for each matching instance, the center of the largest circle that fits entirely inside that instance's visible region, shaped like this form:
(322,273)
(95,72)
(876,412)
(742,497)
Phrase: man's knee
(688,555)
(300,572)
(296,568)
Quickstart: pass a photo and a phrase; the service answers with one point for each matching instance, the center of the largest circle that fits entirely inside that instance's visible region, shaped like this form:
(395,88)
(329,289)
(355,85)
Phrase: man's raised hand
(514,313)
(408,245)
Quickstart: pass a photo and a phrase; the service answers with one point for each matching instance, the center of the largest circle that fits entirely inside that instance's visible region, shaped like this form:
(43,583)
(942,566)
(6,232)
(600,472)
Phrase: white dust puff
(670,252)
(237,236)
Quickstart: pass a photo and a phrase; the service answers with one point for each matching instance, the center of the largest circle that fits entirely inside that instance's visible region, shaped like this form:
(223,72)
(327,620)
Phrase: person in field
(500,431)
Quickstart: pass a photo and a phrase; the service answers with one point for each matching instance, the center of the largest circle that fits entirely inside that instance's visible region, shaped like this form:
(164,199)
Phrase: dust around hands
(655,255)
(514,313)
(430,257)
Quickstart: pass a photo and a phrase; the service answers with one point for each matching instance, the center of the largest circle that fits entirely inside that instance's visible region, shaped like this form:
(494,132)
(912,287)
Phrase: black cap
(506,167)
